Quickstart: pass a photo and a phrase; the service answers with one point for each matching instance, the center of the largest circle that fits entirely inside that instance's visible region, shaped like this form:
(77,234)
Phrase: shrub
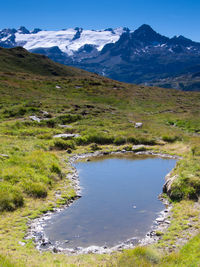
(64,144)
(68,118)
(171,139)
(146,141)
(34,189)
(187,184)
(132,140)
(128,148)
(195,150)
(10,198)
(140,256)
(100,139)
(82,140)
(49,123)
(119,140)
(55,168)
(18,111)
(95,147)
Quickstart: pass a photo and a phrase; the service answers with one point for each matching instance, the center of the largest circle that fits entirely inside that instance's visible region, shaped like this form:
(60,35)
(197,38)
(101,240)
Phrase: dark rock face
(23,30)
(78,33)
(36,30)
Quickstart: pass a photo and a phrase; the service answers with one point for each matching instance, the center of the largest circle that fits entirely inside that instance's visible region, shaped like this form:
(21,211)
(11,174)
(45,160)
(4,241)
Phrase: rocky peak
(181,40)
(23,30)
(36,30)
(147,35)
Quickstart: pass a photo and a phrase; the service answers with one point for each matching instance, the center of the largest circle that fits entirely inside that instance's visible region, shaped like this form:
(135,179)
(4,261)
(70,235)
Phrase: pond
(119,201)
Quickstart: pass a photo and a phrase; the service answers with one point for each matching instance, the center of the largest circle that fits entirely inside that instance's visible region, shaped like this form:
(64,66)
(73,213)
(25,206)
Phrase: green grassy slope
(33,164)
(19,60)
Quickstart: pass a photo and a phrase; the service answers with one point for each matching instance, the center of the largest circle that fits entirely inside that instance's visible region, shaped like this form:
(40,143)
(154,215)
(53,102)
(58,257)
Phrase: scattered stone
(160,220)
(34,118)
(45,242)
(45,114)
(55,250)
(21,243)
(4,155)
(65,135)
(138,124)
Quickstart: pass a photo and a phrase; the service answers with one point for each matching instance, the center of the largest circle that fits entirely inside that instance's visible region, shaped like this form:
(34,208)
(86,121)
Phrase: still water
(119,201)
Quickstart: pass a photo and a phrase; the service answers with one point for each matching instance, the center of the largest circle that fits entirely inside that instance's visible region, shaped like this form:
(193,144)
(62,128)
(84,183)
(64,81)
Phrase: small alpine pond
(119,201)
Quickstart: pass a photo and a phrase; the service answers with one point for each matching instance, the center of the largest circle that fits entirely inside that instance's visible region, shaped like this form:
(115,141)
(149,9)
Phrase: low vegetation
(34,164)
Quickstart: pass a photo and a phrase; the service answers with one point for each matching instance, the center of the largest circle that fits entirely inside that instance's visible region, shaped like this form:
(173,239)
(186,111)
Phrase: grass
(187,184)
(103,112)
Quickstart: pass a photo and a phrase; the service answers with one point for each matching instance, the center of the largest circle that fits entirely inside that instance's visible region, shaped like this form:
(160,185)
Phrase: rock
(4,156)
(34,118)
(58,87)
(160,220)
(65,135)
(45,114)
(168,184)
(45,242)
(21,243)
(138,124)
(55,250)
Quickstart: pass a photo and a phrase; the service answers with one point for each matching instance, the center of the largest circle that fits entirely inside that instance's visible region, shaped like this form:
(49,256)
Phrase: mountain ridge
(142,56)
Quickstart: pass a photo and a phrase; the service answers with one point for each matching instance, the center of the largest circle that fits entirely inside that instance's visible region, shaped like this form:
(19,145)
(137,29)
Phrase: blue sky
(168,17)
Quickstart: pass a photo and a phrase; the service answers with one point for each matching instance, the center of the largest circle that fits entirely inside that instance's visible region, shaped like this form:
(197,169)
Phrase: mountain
(142,56)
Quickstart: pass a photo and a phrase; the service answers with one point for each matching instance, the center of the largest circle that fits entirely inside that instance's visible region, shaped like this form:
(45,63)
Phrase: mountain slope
(19,60)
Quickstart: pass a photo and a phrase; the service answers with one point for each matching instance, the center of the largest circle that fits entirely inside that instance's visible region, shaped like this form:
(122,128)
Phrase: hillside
(20,60)
(140,56)
(188,81)
(100,114)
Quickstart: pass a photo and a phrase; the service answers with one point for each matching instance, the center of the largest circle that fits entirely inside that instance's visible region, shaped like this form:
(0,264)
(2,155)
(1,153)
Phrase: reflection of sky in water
(119,201)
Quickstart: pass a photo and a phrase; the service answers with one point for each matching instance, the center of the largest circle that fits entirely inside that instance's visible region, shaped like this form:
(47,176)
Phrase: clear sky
(168,17)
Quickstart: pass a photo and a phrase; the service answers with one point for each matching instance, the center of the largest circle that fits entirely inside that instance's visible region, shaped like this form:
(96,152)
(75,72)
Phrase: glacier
(69,40)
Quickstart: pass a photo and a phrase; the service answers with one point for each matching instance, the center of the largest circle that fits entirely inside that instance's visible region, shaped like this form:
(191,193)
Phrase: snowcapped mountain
(68,40)
(140,56)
